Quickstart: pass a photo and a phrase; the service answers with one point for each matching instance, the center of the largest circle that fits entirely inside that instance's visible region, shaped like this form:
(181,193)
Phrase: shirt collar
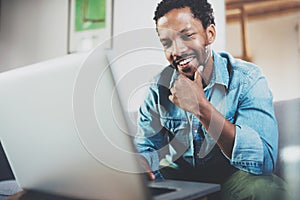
(220,73)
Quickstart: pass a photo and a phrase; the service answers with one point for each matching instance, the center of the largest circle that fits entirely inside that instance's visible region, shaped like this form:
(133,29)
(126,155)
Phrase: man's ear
(211,34)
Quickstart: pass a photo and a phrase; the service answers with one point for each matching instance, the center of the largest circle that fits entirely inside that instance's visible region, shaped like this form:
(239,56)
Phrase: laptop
(64,132)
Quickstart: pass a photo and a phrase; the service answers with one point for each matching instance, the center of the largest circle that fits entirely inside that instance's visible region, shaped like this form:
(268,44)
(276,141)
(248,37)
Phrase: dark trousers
(242,185)
(235,184)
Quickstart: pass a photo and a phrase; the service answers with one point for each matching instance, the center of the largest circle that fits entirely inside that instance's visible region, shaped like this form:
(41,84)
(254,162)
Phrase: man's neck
(207,72)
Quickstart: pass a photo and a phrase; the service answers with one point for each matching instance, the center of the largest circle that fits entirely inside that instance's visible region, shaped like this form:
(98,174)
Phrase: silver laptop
(64,133)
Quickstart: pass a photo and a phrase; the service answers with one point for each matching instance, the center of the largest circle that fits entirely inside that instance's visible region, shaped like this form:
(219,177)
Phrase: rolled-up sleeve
(256,140)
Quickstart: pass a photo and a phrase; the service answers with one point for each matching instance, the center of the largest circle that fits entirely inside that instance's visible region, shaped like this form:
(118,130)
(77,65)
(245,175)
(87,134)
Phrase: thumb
(197,76)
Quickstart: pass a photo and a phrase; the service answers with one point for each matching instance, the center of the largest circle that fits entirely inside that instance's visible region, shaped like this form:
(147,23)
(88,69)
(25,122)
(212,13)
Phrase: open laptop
(64,133)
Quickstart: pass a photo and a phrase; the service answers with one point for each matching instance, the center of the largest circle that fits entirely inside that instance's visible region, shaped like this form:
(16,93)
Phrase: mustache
(181,57)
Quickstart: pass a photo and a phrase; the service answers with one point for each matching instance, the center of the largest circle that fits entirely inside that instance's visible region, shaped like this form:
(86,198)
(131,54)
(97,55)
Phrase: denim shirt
(239,91)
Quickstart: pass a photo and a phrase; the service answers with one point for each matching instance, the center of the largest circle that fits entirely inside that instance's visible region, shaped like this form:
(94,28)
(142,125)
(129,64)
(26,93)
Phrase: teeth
(185,61)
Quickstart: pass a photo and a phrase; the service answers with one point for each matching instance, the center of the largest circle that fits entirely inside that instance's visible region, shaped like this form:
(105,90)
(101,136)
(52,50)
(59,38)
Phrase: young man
(209,117)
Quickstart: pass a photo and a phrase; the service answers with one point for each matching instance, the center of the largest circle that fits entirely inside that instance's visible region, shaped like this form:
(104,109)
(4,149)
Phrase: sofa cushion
(288,117)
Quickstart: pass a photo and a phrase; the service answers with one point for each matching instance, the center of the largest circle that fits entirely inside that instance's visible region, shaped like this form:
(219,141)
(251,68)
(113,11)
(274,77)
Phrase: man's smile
(184,63)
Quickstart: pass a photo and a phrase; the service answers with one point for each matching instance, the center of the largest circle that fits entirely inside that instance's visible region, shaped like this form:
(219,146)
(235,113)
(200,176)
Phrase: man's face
(183,38)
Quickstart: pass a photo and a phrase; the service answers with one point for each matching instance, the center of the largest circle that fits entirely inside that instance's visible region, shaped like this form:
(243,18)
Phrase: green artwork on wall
(90,14)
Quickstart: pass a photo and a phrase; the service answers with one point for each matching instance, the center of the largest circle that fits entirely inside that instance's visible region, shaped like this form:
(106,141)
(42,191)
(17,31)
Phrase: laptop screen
(63,129)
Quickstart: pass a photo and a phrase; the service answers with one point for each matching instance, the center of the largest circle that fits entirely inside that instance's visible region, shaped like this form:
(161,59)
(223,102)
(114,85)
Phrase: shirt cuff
(247,153)
(152,159)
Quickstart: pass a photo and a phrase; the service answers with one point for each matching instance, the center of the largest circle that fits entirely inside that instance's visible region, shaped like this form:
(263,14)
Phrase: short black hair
(201,10)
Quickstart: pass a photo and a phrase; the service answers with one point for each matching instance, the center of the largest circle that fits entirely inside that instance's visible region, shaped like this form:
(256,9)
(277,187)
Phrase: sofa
(288,163)
(288,117)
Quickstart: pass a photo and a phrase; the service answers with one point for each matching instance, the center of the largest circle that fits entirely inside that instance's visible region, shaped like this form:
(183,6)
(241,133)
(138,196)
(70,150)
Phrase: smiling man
(208,117)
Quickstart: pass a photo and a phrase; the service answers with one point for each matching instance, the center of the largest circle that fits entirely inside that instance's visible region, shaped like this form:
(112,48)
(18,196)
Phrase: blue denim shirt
(238,90)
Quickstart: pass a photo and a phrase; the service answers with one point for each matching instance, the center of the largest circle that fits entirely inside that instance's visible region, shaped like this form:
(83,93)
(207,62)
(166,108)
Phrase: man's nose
(179,48)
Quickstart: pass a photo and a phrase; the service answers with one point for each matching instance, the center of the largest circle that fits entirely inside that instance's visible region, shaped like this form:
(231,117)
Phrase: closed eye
(187,36)
(166,43)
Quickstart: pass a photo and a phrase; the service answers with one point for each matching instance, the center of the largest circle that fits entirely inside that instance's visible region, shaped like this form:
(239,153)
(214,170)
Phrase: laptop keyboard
(154,191)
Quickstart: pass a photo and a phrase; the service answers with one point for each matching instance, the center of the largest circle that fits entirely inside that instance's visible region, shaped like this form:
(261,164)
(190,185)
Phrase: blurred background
(268,34)
(265,32)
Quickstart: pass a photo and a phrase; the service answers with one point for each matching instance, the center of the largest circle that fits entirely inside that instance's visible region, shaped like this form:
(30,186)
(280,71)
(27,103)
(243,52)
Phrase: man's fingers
(197,76)
(172,90)
(171,98)
(151,176)
(147,168)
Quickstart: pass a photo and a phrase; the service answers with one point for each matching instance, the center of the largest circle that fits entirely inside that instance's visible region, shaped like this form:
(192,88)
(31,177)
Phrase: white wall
(32,31)
(219,11)
(136,14)
(274,47)
(37,30)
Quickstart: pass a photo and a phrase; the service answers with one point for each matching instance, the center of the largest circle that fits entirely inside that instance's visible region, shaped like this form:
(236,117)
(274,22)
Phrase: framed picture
(90,23)
(0,15)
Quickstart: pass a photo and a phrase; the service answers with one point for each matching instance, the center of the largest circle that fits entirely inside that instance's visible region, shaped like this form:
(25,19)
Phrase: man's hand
(188,94)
